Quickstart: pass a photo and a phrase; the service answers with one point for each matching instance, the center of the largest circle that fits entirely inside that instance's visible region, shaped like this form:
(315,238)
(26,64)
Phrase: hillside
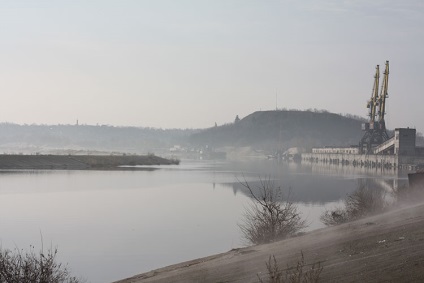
(284,129)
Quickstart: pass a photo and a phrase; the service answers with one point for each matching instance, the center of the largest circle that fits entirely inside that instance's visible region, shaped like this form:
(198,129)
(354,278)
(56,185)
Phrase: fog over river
(109,225)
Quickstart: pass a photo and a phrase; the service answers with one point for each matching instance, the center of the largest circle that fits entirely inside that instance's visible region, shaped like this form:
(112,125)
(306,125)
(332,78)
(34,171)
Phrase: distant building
(402,143)
(339,150)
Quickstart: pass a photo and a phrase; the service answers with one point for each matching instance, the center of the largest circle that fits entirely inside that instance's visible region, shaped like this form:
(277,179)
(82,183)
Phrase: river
(109,225)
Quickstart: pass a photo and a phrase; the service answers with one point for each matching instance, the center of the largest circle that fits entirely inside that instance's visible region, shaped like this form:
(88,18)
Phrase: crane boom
(372,104)
(383,95)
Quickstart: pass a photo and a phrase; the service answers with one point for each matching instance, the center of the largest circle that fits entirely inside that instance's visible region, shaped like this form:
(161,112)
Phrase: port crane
(375,130)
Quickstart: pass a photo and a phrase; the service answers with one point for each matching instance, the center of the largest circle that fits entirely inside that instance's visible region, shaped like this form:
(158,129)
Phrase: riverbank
(382,248)
(79,162)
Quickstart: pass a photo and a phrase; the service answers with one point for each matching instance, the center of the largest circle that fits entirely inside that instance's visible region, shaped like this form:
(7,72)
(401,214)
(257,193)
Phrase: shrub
(30,267)
(362,202)
(271,216)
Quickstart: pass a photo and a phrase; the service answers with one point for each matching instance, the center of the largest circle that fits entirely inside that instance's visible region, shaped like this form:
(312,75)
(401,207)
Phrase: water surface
(109,225)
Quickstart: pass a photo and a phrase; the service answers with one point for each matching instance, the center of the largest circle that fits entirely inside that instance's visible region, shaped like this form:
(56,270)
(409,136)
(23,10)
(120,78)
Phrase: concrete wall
(356,160)
(366,161)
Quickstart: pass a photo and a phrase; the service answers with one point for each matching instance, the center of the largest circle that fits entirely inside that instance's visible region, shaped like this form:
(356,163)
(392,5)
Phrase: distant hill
(266,130)
(48,138)
(283,129)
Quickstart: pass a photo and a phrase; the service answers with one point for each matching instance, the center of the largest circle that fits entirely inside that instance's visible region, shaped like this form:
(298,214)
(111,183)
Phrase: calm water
(109,225)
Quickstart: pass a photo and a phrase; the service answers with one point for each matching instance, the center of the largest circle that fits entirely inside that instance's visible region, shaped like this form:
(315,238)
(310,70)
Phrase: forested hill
(284,129)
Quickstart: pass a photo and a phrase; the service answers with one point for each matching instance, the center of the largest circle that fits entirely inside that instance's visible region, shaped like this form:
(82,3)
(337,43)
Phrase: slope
(383,248)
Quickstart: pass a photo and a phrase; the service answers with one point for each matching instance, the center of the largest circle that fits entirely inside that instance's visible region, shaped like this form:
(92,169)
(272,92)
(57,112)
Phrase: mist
(208,95)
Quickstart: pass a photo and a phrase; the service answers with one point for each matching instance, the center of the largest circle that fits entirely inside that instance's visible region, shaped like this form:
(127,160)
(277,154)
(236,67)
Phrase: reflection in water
(348,170)
(315,184)
(113,224)
(315,190)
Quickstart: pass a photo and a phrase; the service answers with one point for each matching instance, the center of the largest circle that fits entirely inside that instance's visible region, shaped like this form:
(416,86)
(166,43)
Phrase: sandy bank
(383,248)
(78,162)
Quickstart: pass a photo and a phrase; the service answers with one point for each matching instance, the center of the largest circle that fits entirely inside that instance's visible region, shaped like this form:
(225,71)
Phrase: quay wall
(411,162)
(356,160)
(365,160)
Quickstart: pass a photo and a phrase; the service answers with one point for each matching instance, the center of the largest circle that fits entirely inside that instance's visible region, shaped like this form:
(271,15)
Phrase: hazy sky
(191,63)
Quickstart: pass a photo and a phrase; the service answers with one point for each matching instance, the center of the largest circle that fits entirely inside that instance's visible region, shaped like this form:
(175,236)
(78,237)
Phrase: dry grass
(20,266)
(299,274)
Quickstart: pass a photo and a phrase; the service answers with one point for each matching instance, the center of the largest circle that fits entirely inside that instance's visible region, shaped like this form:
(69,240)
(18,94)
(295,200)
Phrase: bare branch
(271,216)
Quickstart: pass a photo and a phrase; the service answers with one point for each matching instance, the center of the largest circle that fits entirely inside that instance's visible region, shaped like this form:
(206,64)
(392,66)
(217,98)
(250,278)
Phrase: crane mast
(375,131)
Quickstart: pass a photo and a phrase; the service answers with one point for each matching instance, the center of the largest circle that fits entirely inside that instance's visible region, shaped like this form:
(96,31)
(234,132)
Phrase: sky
(194,63)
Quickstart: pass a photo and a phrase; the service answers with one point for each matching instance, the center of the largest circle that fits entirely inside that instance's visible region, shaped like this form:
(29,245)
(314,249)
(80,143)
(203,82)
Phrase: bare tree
(365,201)
(271,216)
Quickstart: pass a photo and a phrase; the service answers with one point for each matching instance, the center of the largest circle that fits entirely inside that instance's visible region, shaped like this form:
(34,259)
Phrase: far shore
(81,162)
(384,248)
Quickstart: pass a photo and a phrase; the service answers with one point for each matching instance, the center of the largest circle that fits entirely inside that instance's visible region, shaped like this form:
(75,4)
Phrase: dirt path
(383,248)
